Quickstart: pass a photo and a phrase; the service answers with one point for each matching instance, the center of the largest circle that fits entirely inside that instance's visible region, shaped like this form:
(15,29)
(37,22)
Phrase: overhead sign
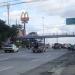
(70,21)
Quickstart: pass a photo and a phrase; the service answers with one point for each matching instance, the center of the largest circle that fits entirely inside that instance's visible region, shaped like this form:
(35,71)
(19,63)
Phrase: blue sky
(53,11)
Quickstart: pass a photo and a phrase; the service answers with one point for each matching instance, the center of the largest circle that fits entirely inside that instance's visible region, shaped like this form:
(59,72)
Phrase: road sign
(70,21)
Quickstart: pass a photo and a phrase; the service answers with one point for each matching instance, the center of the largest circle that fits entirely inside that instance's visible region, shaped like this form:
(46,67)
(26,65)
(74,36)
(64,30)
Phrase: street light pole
(43,29)
(57,37)
(43,24)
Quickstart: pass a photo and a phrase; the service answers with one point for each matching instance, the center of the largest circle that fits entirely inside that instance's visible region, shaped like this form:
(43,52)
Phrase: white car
(10,48)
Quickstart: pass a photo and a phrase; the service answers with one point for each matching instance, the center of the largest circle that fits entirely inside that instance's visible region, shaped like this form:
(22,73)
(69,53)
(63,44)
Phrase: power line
(9,2)
(8,8)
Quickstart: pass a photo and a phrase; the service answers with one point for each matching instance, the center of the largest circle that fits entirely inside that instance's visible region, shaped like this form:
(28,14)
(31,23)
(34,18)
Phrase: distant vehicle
(64,46)
(57,46)
(10,48)
(47,46)
(38,48)
(71,47)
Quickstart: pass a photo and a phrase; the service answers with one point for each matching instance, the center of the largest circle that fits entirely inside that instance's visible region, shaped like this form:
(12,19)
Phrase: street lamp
(57,37)
(43,24)
(43,29)
(24,19)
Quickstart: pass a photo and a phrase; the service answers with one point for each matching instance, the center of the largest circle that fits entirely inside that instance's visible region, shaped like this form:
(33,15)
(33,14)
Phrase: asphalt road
(25,60)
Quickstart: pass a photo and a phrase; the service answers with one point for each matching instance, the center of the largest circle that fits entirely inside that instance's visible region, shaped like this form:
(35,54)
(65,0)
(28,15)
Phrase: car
(10,48)
(38,48)
(47,46)
(71,48)
(56,46)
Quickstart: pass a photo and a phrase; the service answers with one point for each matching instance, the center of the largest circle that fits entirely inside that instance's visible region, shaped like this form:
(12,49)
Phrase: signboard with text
(70,21)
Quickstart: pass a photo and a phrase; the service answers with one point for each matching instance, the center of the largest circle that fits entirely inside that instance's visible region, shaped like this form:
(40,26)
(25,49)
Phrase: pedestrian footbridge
(51,36)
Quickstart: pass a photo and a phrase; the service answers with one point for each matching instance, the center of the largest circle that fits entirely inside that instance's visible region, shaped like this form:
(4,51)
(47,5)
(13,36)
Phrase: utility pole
(8,7)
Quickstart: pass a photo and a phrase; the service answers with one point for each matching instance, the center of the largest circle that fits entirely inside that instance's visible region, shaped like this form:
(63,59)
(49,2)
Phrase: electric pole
(8,14)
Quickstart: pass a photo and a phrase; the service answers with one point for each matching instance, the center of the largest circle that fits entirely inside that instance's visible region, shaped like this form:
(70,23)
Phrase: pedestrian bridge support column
(44,40)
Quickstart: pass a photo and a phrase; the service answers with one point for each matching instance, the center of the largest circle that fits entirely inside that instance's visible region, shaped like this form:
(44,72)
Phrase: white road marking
(6,68)
(1,54)
(4,59)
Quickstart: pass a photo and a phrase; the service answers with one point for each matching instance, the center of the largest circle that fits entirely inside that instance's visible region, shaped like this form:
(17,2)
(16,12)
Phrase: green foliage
(4,30)
(25,43)
(7,31)
(13,31)
(18,43)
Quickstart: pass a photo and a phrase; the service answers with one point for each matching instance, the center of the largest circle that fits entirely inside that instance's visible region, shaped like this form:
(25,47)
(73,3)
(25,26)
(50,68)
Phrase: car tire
(33,51)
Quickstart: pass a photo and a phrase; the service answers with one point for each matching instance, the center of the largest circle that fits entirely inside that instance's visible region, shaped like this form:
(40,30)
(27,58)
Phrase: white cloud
(13,15)
(69,11)
(53,9)
(58,7)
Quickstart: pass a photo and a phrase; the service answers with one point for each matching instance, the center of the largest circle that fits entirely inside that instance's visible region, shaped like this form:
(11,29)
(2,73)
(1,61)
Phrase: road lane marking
(4,59)
(1,54)
(6,68)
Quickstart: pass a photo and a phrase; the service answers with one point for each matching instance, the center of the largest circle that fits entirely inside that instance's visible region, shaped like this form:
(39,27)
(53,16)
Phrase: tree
(14,31)
(7,31)
(4,30)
